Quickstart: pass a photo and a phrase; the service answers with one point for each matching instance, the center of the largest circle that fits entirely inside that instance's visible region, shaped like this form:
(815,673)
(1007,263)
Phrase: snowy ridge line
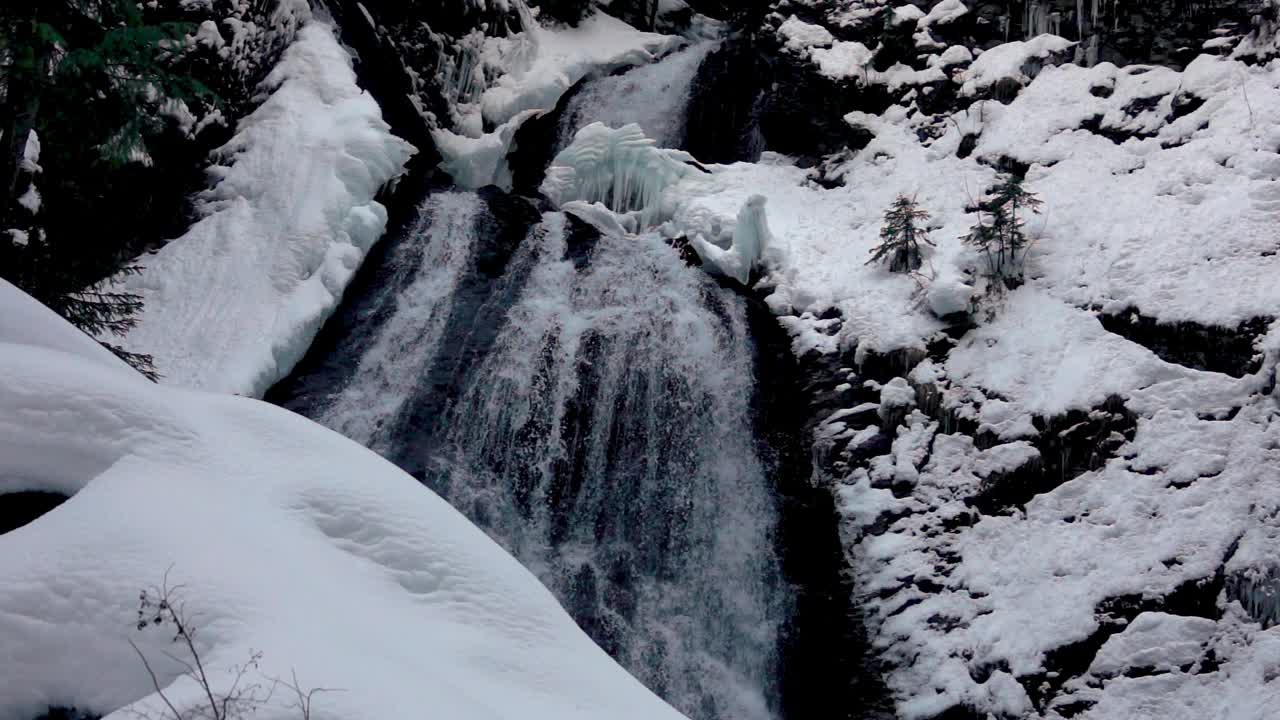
(232,305)
(372,583)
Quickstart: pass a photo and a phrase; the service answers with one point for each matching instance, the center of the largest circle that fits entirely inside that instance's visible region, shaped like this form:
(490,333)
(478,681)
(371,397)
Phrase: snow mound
(1016,61)
(288,539)
(233,305)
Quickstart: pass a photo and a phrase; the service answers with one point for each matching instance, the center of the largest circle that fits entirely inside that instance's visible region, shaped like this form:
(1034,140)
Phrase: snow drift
(289,539)
(233,304)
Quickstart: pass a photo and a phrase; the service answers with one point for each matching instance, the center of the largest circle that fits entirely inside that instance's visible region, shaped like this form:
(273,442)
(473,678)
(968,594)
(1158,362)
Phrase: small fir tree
(998,234)
(901,236)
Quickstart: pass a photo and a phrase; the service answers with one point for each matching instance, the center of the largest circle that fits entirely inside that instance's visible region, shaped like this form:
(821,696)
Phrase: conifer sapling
(901,236)
(999,230)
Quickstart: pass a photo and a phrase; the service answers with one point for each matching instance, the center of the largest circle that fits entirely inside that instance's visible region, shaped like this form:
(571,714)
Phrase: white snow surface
(286,538)
(1160,193)
(232,305)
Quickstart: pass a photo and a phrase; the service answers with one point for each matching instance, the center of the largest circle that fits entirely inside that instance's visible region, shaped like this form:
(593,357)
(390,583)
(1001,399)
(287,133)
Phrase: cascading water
(595,405)
(597,421)
(408,322)
(651,96)
(607,442)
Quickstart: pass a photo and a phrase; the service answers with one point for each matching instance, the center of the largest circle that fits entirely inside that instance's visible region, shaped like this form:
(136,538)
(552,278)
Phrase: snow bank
(288,539)
(232,305)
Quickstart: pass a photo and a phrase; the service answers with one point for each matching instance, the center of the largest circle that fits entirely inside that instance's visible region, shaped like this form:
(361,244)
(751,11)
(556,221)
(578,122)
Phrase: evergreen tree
(901,236)
(999,230)
(98,84)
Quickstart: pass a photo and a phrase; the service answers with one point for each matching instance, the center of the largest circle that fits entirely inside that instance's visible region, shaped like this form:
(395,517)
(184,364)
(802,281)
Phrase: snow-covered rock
(286,539)
(1068,472)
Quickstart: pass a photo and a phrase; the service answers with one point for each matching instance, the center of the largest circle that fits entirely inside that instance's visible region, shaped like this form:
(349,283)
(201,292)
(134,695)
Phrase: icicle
(620,168)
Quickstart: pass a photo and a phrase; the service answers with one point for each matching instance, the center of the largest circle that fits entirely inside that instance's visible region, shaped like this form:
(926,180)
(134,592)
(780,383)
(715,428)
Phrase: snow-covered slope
(1060,498)
(232,305)
(287,539)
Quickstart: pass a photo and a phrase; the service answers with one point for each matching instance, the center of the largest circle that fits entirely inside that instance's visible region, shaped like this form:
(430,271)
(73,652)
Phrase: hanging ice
(621,168)
(751,237)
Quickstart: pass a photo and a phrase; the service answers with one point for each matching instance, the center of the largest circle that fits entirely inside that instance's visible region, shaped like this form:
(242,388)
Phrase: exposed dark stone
(1137,106)
(534,145)
(828,669)
(1202,347)
(1258,592)
(960,712)
(750,95)
(687,253)
(65,713)
(1073,708)
(20,508)
(1184,104)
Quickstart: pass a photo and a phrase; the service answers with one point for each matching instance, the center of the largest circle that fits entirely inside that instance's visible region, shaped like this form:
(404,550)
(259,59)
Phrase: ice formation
(289,539)
(621,168)
(751,238)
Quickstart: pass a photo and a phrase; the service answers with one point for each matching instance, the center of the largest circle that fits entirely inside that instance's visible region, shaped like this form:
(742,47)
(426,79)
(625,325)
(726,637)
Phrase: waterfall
(588,401)
(407,322)
(607,442)
(651,96)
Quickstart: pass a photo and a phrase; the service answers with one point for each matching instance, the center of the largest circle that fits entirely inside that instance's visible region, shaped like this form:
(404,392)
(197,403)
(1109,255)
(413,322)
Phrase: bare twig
(304,698)
(155,682)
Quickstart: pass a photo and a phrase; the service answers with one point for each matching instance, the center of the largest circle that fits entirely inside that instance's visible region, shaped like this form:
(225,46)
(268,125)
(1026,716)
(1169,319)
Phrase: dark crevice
(22,508)
(1200,347)
(828,669)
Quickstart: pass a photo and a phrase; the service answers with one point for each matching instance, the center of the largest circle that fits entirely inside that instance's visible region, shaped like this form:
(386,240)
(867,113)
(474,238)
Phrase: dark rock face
(64,713)
(20,508)
(534,145)
(827,669)
(750,95)
(419,51)
(1225,350)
